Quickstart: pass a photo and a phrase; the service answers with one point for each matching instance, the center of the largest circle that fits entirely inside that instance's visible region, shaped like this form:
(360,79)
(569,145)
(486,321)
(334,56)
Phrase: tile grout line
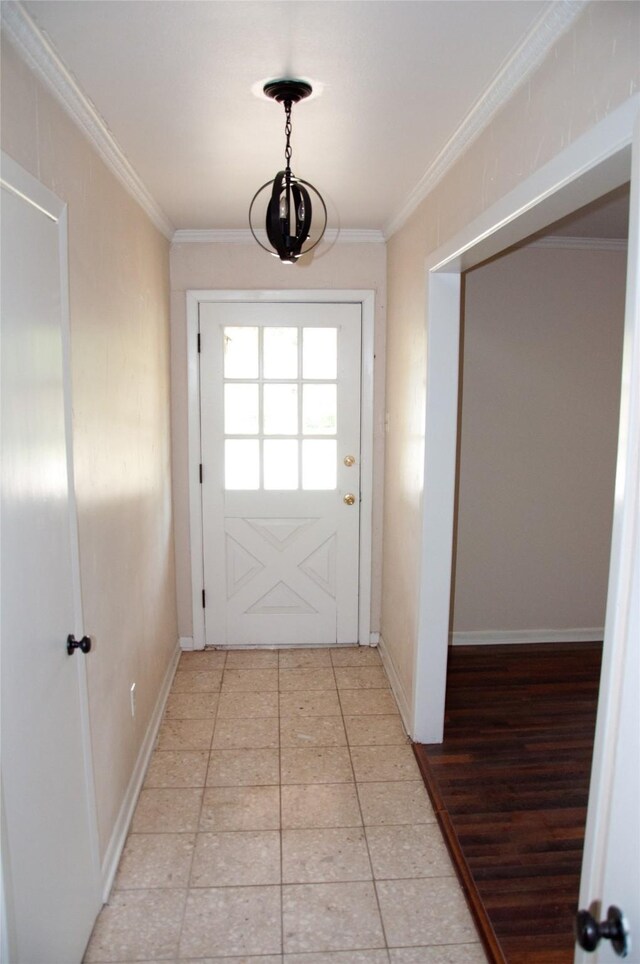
(364,832)
(199,818)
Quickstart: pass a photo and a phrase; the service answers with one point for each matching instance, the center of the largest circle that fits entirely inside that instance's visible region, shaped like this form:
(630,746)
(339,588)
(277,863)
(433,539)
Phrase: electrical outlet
(132,694)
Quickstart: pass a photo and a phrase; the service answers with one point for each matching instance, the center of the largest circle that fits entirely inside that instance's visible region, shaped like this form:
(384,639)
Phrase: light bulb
(301,212)
(284,207)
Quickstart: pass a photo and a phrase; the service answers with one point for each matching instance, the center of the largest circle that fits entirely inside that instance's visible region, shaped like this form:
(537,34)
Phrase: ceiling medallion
(289,211)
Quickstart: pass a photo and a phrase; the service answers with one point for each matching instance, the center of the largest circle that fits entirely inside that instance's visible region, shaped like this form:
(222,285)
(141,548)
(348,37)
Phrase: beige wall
(119,301)
(592,69)
(233,266)
(540,399)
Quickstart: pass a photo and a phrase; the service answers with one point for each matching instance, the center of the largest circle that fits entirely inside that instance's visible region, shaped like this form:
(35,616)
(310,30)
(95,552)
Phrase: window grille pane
(242,464)
(320,353)
(280,409)
(319,464)
(241,413)
(319,404)
(280,353)
(240,352)
(280,464)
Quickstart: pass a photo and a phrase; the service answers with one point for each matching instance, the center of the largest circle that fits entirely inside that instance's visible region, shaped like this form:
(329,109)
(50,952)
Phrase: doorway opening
(595,164)
(590,168)
(541,362)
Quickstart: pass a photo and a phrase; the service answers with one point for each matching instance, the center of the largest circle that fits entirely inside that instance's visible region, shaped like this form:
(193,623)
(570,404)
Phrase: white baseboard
(121,828)
(187,644)
(396,687)
(496,637)
(274,647)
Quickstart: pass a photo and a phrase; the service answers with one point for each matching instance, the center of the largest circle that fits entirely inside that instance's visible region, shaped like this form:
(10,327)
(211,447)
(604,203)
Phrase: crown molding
(244,236)
(44,60)
(521,63)
(41,56)
(580,244)
(212,236)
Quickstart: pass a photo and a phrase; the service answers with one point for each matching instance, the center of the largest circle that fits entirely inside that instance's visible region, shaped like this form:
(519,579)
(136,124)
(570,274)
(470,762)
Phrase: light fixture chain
(287,130)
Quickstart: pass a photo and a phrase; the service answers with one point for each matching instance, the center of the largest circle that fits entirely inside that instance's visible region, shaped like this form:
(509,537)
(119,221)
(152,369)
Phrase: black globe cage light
(289,211)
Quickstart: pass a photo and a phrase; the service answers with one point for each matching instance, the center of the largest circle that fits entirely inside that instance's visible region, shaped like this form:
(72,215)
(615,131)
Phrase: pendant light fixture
(289,210)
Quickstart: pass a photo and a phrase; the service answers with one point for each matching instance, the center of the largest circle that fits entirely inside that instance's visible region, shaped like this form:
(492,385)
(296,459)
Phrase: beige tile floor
(283,821)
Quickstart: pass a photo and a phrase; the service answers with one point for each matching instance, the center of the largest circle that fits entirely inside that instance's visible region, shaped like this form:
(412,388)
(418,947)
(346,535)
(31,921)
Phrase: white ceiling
(174,82)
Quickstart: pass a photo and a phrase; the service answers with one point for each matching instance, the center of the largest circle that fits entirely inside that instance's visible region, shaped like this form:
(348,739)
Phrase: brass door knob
(349,460)
(349,498)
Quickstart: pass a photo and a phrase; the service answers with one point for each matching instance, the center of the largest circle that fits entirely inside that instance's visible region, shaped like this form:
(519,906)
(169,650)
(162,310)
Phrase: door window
(280,389)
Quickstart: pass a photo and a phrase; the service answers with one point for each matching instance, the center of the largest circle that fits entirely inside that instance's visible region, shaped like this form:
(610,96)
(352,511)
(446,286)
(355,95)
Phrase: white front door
(49,862)
(280,423)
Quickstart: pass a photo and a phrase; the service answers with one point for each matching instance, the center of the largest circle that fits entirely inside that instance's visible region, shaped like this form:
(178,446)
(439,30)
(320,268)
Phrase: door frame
(366,299)
(596,163)
(19,181)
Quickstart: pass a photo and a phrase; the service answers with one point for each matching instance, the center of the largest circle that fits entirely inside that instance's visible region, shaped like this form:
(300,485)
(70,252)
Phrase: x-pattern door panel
(297,579)
(280,413)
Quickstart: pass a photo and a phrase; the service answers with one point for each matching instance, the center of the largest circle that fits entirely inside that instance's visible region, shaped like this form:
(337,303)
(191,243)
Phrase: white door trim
(364,297)
(594,164)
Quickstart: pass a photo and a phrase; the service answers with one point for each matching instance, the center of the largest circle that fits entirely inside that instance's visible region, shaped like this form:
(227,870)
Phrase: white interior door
(280,423)
(49,864)
(611,861)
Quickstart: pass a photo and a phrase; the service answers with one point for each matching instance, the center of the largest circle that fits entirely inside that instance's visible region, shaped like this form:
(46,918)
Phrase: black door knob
(73,644)
(589,932)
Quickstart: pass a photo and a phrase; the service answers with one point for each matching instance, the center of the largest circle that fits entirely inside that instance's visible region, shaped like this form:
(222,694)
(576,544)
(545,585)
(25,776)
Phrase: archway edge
(594,164)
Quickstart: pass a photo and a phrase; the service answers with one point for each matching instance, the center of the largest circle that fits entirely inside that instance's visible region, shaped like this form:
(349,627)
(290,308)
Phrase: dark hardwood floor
(510,785)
